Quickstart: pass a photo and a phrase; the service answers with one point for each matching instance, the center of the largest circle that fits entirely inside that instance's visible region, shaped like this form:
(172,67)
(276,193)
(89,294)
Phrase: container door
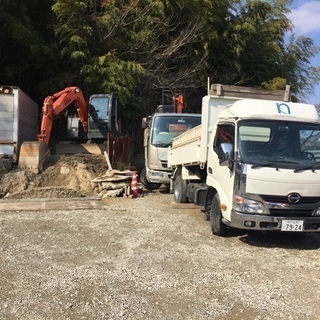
(6,124)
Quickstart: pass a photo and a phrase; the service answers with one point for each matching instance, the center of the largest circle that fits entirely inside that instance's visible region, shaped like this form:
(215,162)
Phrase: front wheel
(148,185)
(180,190)
(218,228)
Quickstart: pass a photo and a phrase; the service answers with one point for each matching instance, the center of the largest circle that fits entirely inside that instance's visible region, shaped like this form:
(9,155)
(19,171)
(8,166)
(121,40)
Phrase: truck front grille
(279,206)
(291,212)
(284,199)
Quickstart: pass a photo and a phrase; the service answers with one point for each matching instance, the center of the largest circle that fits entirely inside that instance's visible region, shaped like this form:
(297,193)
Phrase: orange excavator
(57,103)
(82,122)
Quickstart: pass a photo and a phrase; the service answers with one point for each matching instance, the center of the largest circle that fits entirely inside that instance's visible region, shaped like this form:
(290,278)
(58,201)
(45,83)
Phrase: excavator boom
(33,153)
(57,103)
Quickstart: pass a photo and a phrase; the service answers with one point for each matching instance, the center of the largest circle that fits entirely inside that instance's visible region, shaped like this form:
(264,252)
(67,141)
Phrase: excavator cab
(103,117)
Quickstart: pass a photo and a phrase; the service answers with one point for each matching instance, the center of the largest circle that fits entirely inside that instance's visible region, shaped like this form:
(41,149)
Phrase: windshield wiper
(312,166)
(272,163)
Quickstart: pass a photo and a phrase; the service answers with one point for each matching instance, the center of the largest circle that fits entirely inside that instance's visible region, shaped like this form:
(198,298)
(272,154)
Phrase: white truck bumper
(271,223)
(162,177)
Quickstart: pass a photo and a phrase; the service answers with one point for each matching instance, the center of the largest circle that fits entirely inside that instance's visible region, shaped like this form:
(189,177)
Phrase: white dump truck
(253,163)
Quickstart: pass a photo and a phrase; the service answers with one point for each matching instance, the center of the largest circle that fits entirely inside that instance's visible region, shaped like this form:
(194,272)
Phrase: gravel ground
(146,258)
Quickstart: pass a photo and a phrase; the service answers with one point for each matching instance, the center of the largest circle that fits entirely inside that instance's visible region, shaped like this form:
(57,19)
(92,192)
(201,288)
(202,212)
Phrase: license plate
(292,225)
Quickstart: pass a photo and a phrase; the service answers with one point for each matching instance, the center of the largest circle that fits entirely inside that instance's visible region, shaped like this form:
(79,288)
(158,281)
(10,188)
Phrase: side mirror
(144,123)
(226,154)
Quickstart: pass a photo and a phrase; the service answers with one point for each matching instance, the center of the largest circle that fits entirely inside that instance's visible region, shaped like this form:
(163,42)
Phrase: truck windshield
(165,128)
(279,144)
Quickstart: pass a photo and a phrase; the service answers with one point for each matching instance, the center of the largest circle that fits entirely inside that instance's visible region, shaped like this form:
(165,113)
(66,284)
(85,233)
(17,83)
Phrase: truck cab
(273,167)
(160,129)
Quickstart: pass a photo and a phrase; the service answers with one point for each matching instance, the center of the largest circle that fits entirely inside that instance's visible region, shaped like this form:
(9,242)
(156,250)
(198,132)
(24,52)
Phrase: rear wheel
(148,185)
(180,190)
(218,228)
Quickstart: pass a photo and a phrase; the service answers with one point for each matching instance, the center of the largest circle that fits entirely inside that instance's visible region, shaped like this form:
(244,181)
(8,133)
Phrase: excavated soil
(64,176)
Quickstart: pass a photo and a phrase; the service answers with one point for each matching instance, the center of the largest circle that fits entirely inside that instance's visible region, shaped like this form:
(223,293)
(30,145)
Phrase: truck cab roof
(174,114)
(264,109)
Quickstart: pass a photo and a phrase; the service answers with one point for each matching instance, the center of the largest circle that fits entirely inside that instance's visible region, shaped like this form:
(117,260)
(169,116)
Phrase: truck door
(219,174)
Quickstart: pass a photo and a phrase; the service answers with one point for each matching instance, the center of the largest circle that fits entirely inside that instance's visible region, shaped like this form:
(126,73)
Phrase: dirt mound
(64,176)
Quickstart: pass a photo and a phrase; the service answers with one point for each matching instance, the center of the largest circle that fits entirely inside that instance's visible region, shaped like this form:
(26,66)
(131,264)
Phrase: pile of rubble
(69,176)
(116,183)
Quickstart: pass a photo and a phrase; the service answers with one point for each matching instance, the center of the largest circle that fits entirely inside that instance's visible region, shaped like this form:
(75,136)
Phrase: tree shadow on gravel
(286,240)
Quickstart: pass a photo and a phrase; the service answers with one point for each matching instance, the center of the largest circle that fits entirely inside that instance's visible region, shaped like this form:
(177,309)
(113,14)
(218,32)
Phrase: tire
(218,228)
(180,190)
(206,215)
(148,185)
(207,207)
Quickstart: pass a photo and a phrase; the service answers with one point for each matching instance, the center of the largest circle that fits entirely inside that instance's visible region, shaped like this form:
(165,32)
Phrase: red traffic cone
(134,184)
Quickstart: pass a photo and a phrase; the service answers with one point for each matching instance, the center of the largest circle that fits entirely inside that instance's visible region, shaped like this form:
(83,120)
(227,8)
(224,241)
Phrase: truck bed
(185,148)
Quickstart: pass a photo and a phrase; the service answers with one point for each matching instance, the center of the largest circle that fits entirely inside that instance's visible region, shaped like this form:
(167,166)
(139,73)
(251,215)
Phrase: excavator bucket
(32,156)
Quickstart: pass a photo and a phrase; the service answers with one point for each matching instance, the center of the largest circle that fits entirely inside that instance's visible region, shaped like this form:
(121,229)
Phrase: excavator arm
(33,153)
(57,103)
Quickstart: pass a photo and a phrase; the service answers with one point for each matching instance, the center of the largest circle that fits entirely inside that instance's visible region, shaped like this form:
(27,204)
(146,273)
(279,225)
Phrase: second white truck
(167,122)
(253,163)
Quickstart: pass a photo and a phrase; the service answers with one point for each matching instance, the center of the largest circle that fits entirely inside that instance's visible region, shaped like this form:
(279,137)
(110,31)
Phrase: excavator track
(32,156)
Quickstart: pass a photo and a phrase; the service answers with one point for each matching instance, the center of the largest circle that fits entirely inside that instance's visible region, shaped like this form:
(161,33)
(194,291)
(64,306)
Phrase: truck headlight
(317,213)
(248,206)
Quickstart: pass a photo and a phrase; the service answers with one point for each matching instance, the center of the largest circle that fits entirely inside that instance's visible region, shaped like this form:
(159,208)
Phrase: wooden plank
(50,204)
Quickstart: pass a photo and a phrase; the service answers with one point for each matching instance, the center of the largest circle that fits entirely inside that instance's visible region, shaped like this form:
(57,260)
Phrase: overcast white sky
(305,15)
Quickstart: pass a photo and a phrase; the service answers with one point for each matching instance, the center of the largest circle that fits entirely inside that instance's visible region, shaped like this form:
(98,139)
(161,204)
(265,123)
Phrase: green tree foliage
(296,66)
(253,40)
(131,48)
(27,48)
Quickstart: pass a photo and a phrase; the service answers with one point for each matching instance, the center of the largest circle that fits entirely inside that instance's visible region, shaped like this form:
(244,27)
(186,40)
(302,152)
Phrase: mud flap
(32,155)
